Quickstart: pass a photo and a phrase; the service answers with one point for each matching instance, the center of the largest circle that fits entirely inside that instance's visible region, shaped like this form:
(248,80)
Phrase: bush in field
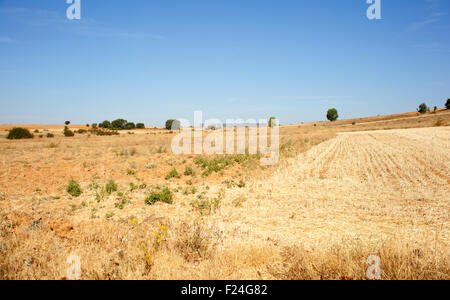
(74,188)
(332,114)
(160,195)
(130,125)
(67,132)
(81,131)
(173,124)
(172,174)
(189,171)
(50,135)
(111,187)
(423,108)
(140,126)
(19,133)
(94,126)
(447,104)
(67,122)
(105,132)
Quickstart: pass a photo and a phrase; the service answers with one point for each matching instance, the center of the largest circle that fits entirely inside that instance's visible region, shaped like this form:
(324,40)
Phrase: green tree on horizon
(332,114)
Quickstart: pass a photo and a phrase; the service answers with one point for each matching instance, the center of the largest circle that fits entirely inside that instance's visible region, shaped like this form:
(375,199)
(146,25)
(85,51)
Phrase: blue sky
(148,60)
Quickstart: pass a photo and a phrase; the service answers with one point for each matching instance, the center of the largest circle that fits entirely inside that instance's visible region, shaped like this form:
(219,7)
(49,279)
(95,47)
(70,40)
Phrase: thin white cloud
(419,25)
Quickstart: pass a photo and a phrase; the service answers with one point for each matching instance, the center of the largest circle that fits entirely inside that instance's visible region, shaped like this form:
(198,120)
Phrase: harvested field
(319,215)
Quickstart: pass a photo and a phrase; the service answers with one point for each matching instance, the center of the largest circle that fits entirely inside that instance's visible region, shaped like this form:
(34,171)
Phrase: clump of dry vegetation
(18,134)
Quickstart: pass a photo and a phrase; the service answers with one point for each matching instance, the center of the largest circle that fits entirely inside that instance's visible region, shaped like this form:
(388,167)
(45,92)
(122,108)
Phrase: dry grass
(338,196)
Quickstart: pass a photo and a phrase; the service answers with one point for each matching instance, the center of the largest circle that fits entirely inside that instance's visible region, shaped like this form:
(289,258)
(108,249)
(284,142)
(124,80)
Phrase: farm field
(343,191)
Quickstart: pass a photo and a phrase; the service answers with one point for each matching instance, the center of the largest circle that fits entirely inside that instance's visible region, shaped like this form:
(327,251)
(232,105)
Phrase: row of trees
(332,114)
(119,124)
(173,124)
(423,108)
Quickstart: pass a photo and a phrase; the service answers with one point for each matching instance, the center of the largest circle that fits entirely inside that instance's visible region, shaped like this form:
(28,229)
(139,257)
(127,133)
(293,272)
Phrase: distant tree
(173,124)
(140,126)
(67,122)
(332,114)
(447,104)
(94,125)
(435,109)
(272,122)
(105,124)
(119,124)
(87,125)
(130,125)
(423,108)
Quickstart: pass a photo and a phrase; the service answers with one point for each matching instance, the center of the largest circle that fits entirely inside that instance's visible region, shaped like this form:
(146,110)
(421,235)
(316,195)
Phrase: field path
(367,186)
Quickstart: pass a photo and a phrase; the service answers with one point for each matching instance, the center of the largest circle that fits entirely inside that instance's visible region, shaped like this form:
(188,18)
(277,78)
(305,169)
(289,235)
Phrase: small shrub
(67,132)
(160,195)
(241,183)
(173,174)
(81,131)
(122,200)
(106,132)
(140,126)
(50,135)
(19,133)
(74,188)
(207,206)
(36,131)
(194,241)
(110,187)
(189,171)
